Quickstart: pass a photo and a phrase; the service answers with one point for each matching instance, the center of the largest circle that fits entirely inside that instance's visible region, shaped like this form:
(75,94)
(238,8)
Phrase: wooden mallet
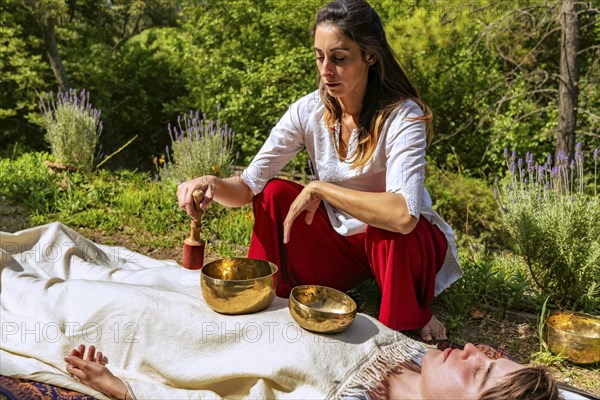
(193,247)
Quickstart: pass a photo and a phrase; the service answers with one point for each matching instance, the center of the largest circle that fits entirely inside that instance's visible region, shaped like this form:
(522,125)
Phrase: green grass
(493,282)
(105,201)
(232,226)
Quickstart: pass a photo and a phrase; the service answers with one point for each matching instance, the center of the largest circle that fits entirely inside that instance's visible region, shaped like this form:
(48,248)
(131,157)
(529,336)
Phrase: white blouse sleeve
(405,149)
(285,140)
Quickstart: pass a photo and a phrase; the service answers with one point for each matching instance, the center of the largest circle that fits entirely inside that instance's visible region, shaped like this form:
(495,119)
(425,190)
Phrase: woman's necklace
(338,143)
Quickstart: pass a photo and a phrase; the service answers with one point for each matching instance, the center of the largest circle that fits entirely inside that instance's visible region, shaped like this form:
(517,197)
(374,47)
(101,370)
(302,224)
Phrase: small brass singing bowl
(321,309)
(575,336)
(238,285)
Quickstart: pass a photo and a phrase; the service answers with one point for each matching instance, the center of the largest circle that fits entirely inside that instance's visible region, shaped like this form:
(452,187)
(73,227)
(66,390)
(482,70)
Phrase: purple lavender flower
(579,153)
(530,163)
(506,153)
(529,157)
(562,158)
(596,154)
(541,170)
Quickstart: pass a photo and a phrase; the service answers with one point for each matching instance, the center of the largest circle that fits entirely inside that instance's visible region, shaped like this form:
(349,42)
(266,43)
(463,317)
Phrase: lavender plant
(73,127)
(554,216)
(199,147)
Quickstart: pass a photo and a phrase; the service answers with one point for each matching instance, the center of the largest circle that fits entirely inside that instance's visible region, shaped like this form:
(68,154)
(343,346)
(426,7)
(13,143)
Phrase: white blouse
(397,166)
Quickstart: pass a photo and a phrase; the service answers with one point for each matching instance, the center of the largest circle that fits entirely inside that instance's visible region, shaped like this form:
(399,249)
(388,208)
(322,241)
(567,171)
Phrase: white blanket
(59,289)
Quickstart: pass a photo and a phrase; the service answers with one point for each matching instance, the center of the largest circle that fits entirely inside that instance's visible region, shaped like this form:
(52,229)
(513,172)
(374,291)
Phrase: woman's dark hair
(387,87)
(530,383)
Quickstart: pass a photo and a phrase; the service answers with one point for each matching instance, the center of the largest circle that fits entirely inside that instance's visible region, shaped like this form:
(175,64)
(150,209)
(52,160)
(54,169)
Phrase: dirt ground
(515,333)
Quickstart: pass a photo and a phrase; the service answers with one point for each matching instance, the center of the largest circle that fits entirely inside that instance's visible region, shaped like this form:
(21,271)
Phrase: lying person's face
(461,374)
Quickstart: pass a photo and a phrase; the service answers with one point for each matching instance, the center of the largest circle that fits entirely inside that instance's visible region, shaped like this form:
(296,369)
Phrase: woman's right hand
(207,183)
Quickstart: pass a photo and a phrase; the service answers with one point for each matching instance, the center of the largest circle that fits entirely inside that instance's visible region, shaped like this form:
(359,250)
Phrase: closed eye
(334,59)
(488,371)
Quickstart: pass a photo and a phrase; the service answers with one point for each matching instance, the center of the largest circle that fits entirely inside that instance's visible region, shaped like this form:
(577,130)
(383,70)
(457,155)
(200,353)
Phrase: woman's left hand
(308,201)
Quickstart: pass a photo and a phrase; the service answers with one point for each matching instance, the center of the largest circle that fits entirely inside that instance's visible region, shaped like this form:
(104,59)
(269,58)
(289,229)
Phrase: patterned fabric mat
(23,389)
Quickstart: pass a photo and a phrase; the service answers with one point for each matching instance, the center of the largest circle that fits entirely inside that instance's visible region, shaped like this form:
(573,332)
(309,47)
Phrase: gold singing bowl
(575,336)
(321,308)
(238,285)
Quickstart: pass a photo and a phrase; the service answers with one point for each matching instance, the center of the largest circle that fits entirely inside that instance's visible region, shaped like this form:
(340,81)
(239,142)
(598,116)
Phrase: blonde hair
(530,383)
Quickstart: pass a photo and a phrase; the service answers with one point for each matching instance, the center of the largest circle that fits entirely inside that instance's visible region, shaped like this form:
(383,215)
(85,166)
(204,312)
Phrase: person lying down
(59,289)
(448,374)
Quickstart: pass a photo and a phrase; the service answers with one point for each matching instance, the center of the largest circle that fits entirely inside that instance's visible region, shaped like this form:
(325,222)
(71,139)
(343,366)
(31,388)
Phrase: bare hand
(92,372)
(87,370)
(307,201)
(184,194)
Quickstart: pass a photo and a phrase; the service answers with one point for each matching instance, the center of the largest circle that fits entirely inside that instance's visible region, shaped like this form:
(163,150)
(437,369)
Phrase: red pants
(404,266)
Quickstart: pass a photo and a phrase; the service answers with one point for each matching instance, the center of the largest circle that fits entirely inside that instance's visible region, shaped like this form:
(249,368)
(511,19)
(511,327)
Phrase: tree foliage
(246,57)
(487,68)
(24,75)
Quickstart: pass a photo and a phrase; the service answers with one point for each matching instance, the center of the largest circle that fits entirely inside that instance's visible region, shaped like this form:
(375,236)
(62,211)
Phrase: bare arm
(230,192)
(382,210)
(91,371)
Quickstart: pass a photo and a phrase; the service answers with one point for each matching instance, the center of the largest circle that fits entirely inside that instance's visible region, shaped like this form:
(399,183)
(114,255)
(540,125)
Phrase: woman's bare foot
(91,371)
(434,330)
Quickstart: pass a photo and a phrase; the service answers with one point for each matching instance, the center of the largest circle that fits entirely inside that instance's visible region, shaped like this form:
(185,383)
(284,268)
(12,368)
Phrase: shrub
(73,127)
(25,180)
(200,147)
(467,204)
(556,225)
(494,279)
